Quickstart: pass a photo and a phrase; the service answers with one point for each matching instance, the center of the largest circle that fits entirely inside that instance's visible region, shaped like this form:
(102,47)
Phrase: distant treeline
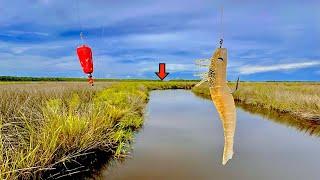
(15,78)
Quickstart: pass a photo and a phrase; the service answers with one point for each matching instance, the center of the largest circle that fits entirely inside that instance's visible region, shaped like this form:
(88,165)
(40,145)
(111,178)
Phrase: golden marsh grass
(299,99)
(45,127)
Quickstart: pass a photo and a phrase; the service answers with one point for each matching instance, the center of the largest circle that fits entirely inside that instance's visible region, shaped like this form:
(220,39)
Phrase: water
(183,139)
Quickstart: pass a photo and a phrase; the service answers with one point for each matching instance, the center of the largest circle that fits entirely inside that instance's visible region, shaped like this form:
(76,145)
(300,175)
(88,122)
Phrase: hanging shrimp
(222,98)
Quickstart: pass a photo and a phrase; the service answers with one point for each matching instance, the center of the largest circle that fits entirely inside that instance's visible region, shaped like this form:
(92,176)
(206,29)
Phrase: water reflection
(312,127)
(183,139)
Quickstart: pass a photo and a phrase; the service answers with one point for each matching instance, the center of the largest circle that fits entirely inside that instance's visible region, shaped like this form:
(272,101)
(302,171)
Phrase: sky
(266,39)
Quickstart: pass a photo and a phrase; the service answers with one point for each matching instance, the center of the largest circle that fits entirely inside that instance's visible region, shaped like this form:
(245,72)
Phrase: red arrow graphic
(162,71)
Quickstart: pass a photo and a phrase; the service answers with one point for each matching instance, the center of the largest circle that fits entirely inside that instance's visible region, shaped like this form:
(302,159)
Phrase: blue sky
(266,39)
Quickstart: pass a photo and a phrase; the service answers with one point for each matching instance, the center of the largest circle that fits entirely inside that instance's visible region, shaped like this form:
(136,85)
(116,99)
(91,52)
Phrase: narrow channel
(182,138)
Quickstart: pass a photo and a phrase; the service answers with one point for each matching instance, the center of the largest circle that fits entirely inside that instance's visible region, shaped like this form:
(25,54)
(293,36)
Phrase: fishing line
(77,3)
(221,23)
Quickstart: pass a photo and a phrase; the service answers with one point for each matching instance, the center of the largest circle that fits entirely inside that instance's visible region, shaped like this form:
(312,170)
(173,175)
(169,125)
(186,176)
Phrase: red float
(85,57)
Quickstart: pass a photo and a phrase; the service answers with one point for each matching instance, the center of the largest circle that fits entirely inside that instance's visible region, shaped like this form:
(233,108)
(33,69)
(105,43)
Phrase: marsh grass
(298,99)
(53,130)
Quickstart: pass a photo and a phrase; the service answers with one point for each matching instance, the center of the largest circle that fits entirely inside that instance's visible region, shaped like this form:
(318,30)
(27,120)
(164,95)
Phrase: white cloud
(39,49)
(153,67)
(153,38)
(249,69)
(181,67)
(27,33)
